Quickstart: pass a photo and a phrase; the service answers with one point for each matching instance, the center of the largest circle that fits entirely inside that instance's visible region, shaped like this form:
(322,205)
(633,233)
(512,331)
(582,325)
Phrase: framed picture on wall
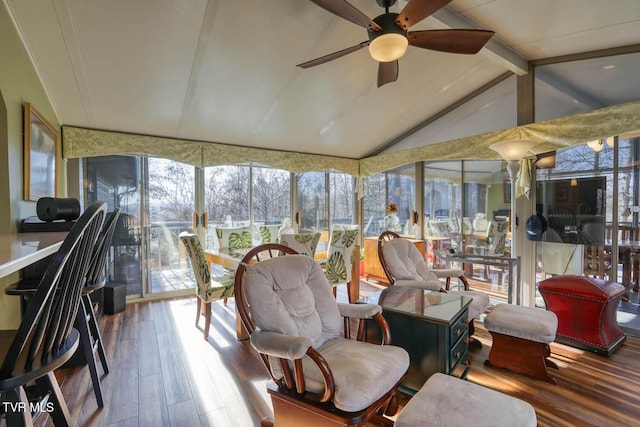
(41,153)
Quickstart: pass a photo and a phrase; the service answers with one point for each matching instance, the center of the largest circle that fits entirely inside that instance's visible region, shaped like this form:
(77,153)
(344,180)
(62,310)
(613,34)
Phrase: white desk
(23,249)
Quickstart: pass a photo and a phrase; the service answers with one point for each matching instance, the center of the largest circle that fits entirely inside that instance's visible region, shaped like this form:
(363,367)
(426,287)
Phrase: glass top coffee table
(431,326)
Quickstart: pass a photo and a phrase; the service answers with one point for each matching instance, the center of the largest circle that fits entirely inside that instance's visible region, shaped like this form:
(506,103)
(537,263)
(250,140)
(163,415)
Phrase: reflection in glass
(115,180)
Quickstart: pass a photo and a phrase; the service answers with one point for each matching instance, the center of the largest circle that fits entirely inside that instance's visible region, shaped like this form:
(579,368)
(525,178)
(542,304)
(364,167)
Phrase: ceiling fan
(389,35)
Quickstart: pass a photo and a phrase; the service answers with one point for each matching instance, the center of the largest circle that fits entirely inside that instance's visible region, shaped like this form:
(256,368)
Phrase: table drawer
(459,350)
(459,328)
(462,368)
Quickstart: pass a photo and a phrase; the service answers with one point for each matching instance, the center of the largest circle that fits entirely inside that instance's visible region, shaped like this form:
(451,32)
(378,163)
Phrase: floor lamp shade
(513,150)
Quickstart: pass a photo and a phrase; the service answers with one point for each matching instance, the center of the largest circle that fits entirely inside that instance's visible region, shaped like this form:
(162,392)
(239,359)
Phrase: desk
(231,259)
(20,250)
(23,249)
(431,326)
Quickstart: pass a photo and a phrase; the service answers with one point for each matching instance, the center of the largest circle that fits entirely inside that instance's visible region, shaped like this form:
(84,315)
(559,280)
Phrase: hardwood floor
(164,373)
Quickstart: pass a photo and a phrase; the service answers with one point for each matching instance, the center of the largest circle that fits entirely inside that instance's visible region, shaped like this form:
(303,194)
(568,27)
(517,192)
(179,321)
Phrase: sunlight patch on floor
(261,387)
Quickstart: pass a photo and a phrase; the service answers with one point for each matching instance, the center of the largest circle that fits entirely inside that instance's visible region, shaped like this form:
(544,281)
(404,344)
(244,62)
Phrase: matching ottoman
(446,401)
(586,309)
(521,337)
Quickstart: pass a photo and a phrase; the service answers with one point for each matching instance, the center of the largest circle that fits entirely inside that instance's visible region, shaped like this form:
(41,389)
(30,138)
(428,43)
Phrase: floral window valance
(553,134)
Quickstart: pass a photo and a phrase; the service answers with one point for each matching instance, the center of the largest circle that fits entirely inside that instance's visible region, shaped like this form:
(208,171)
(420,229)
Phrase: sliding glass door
(171,201)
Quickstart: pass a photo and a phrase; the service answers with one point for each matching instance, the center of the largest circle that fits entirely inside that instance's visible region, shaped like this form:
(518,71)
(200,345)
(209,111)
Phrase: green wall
(19,83)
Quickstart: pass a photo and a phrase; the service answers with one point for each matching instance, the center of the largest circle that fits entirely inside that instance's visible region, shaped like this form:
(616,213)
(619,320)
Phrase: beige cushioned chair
(299,329)
(404,265)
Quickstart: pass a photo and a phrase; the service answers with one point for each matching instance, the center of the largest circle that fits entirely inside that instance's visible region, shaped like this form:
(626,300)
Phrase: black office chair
(46,338)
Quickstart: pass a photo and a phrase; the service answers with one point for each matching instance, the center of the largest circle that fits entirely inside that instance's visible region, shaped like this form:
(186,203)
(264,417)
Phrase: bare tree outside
(171,190)
(341,195)
(312,200)
(227,193)
(271,195)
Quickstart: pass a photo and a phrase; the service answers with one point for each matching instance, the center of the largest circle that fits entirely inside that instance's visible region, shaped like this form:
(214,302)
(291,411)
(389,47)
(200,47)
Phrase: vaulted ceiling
(225,70)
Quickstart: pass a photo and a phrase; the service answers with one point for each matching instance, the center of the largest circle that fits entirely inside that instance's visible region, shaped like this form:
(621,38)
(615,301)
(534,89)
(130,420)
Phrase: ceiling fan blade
(347,11)
(452,41)
(387,72)
(416,10)
(334,55)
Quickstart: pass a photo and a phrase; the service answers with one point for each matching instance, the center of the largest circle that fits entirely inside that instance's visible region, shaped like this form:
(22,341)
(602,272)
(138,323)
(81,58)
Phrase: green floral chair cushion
(341,256)
(207,288)
(269,233)
(467,226)
(305,244)
(497,237)
(234,237)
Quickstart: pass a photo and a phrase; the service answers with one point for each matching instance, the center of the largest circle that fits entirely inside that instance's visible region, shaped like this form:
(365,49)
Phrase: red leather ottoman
(586,310)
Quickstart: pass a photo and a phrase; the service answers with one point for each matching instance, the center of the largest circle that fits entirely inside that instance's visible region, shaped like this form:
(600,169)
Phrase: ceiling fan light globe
(388,47)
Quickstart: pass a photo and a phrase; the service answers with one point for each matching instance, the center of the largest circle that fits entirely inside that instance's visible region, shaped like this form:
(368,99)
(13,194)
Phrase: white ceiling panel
(548,28)
(225,70)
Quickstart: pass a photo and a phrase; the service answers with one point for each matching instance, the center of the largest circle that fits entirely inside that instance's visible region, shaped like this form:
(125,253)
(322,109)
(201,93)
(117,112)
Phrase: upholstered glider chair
(208,288)
(404,265)
(302,243)
(320,376)
(341,256)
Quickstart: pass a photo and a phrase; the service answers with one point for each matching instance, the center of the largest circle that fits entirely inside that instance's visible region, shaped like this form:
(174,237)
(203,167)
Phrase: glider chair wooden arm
(320,377)
(360,313)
